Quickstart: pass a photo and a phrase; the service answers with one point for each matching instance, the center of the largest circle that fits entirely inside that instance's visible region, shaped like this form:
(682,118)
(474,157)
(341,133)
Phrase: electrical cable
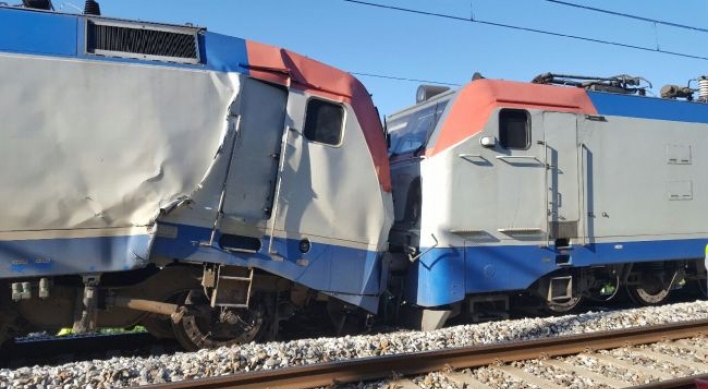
(630,16)
(394,78)
(528,29)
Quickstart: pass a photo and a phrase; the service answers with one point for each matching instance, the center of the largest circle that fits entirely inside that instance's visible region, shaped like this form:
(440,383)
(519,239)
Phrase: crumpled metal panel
(89,145)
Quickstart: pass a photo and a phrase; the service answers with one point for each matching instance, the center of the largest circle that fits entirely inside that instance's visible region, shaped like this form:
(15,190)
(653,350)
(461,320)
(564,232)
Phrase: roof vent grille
(156,43)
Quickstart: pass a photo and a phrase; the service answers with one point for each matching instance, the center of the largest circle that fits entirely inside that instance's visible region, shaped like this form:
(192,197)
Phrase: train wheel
(563,306)
(649,291)
(205,327)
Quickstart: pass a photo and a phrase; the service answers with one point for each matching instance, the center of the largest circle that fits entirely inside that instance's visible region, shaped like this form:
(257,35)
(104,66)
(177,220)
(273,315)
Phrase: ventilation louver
(155,43)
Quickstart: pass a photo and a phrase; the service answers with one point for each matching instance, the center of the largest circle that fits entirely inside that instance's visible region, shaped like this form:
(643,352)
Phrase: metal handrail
(546,189)
(521,230)
(502,157)
(581,195)
(413,259)
(276,195)
(222,197)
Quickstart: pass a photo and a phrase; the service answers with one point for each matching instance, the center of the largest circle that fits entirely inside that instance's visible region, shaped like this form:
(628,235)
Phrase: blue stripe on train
(62,35)
(54,257)
(445,275)
(38,32)
(352,275)
(611,104)
(441,276)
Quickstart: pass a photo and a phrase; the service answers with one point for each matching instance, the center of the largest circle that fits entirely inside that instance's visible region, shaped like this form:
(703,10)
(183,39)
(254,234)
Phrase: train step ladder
(233,287)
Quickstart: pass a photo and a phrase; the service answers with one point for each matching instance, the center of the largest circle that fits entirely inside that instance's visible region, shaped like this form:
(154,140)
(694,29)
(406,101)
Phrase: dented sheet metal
(99,145)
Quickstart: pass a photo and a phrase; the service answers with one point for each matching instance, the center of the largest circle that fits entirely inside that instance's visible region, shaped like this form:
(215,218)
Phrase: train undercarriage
(205,306)
(644,284)
(181,302)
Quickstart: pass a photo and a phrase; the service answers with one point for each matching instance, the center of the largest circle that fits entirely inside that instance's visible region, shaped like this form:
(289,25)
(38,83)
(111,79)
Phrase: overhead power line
(415,11)
(527,29)
(630,16)
(395,78)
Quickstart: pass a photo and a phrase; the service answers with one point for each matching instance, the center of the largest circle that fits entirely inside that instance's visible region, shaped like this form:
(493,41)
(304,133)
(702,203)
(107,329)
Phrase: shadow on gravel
(60,350)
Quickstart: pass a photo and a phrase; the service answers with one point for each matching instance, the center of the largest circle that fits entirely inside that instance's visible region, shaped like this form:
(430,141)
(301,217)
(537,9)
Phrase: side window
(412,132)
(324,122)
(514,129)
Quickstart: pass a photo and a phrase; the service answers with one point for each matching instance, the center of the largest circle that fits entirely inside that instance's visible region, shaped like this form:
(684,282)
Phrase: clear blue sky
(363,39)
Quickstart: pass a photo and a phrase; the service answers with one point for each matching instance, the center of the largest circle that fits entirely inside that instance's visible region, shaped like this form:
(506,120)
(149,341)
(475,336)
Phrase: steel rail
(366,369)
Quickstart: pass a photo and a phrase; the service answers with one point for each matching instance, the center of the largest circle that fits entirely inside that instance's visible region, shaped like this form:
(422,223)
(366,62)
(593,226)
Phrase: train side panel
(515,213)
(90,161)
(180,167)
(648,172)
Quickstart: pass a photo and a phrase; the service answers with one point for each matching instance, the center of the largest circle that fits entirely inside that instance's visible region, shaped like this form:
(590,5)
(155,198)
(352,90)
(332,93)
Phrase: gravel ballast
(136,371)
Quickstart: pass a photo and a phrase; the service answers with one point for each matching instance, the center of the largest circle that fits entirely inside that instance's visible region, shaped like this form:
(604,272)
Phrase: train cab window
(514,129)
(324,122)
(412,131)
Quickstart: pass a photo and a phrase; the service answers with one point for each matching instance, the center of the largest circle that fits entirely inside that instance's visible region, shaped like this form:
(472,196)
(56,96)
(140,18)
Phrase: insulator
(38,4)
(92,8)
(703,88)
(426,92)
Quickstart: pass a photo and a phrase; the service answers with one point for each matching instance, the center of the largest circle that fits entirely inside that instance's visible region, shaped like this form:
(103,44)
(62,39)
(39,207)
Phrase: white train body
(526,186)
(212,188)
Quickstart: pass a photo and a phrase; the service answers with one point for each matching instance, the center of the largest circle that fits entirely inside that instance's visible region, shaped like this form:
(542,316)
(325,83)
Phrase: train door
(326,202)
(259,120)
(520,167)
(562,179)
(312,181)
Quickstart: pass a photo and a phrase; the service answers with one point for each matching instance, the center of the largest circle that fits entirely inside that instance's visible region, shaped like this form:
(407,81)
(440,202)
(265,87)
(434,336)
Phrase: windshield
(410,133)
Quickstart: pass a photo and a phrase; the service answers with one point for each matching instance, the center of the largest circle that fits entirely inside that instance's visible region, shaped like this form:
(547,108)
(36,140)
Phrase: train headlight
(488,141)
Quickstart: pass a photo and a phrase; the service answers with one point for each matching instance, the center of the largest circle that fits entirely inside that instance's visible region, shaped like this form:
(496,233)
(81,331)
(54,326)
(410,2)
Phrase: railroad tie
(691,345)
(527,378)
(699,367)
(583,372)
(631,367)
(467,380)
(401,383)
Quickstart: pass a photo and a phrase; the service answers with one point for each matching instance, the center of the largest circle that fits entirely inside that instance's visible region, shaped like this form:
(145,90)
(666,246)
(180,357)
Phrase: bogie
(203,326)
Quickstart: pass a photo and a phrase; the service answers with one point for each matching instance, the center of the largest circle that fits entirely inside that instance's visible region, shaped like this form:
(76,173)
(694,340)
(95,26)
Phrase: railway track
(404,371)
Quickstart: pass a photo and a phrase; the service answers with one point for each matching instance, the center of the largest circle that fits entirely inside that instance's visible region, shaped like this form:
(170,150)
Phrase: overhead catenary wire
(396,78)
(528,29)
(629,16)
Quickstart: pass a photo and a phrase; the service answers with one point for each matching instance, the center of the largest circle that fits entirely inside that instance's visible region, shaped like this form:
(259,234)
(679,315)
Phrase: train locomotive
(211,188)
